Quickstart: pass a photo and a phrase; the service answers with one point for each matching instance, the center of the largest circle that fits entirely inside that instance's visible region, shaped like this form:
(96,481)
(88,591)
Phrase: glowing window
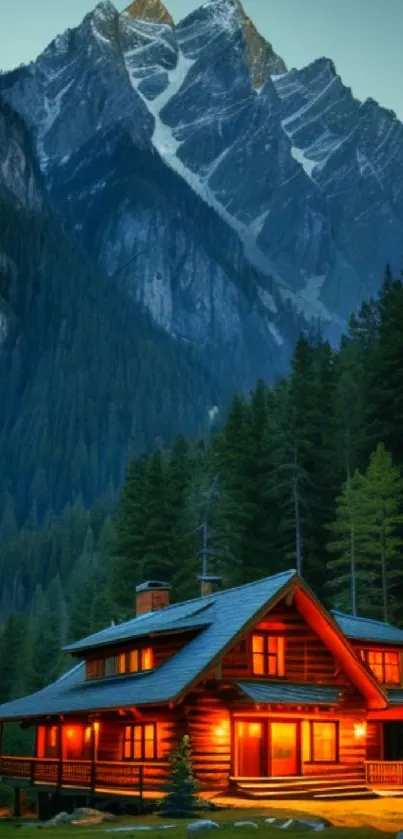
(147,659)
(385,665)
(267,655)
(139,742)
(121,663)
(324,741)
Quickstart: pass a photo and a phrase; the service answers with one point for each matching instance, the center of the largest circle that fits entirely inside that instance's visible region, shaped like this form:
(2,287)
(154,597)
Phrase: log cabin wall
(307,659)
(209,729)
(111,733)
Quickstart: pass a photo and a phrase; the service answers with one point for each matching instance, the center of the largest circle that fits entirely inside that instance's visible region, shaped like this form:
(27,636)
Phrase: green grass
(12,830)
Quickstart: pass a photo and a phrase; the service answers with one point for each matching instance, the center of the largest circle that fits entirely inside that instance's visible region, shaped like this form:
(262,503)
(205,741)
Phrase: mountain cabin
(280,699)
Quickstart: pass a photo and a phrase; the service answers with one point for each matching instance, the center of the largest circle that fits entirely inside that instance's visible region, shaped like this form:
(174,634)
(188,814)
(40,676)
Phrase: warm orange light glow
(360,730)
(147,659)
(70,733)
(221,731)
(88,734)
(254,729)
(96,727)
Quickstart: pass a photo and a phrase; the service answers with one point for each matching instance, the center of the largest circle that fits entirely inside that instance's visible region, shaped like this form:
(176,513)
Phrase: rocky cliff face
(223,191)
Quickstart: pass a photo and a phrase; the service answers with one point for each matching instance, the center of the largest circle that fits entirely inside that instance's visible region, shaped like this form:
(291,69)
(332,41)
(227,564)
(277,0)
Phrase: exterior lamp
(221,731)
(360,730)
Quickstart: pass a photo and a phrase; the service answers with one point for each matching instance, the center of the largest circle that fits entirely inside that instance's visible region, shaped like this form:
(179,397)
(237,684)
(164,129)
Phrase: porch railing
(384,772)
(140,775)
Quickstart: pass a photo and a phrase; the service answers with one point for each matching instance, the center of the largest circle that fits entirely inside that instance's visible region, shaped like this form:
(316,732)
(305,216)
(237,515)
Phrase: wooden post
(60,755)
(141,785)
(93,762)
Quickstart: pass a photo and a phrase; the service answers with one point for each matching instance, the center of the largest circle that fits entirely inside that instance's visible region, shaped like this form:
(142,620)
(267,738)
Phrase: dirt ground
(384,814)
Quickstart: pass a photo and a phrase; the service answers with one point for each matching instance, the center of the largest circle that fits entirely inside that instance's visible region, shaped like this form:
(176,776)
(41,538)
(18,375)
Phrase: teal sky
(363,37)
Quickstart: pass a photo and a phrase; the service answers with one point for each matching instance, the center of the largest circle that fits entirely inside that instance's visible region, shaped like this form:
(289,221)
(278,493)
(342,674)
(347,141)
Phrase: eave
(326,628)
(249,624)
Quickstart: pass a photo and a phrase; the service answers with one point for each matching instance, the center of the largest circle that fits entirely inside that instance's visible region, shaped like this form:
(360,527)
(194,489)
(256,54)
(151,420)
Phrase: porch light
(360,730)
(221,731)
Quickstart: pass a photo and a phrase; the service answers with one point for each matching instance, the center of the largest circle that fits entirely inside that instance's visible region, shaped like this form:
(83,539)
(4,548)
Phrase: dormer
(142,644)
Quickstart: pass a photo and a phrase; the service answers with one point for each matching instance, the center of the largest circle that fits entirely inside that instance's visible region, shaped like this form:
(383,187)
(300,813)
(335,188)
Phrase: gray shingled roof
(366,629)
(174,618)
(228,612)
(287,693)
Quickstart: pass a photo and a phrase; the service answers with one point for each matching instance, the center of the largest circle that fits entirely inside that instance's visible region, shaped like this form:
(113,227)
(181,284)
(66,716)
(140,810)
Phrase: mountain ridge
(229,201)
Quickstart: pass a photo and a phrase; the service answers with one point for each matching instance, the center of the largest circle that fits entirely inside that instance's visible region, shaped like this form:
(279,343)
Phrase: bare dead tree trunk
(353,573)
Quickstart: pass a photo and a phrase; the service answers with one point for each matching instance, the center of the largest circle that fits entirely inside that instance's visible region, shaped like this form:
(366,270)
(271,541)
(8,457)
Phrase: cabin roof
(287,693)
(228,611)
(163,621)
(366,629)
(395,696)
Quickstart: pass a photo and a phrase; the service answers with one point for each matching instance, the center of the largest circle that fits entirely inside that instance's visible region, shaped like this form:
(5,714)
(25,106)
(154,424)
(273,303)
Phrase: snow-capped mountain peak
(304,178)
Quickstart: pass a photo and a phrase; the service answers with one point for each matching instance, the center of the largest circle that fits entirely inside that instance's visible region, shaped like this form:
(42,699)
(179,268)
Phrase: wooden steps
(338,785)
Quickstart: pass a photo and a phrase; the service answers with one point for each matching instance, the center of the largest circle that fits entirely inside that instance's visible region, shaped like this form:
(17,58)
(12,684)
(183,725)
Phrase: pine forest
(305,473)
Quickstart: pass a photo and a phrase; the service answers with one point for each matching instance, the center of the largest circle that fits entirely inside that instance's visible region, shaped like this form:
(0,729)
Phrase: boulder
(202,824)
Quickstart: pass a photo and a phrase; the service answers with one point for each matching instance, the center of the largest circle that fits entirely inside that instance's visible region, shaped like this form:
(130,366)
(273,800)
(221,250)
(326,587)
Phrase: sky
(362,37)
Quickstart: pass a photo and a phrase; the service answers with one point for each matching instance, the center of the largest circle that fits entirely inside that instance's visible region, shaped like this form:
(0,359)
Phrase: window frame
(312,758)
(365,653)
(142,726)
(120,664)
(267,655)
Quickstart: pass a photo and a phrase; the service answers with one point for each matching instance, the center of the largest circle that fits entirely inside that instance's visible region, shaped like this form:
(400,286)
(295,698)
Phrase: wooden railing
(140,775)
(384,772)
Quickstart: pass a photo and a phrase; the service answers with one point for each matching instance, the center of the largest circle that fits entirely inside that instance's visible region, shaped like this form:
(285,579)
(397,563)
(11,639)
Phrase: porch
(145,779)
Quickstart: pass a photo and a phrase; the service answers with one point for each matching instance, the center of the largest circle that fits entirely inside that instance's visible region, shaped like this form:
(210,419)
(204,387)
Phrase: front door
(249,749)
(283,748)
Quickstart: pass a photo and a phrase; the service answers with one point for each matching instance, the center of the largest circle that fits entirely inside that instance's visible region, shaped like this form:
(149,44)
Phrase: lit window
(139,742)
(121,663)
(324,741)
(147,657)
(130,662)
(384,664)
(268,655)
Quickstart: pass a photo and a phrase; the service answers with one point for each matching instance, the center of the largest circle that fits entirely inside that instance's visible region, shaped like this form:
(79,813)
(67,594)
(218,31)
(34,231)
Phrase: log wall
(209,728)
(307,659)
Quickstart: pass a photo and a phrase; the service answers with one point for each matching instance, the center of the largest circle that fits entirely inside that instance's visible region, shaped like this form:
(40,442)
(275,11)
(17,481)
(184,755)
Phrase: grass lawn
(12,830)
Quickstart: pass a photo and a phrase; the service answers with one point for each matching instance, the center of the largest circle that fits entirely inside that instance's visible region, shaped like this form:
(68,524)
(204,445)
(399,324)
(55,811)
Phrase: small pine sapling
(181,800)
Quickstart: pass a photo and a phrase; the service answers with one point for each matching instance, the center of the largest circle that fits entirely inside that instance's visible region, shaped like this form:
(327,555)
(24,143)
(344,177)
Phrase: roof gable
(230,612)
(319,619)
(227,615)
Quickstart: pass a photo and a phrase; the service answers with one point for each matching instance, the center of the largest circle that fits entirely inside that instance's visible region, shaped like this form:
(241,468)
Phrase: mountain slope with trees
(305,473)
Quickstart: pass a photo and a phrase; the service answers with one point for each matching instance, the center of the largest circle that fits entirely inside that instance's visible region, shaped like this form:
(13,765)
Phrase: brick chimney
(207,582)
(152,596)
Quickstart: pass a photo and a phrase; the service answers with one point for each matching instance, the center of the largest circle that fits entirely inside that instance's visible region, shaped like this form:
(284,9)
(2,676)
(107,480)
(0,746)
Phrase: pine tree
(367,539)
(181,800)
(384,542)
(350,577)
(13,659)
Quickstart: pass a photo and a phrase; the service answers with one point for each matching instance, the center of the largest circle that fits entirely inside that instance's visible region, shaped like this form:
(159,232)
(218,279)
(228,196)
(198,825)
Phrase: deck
(148,779)
(139,777)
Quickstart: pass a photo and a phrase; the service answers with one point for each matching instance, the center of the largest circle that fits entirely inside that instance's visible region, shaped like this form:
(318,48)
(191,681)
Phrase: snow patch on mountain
(307,164)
